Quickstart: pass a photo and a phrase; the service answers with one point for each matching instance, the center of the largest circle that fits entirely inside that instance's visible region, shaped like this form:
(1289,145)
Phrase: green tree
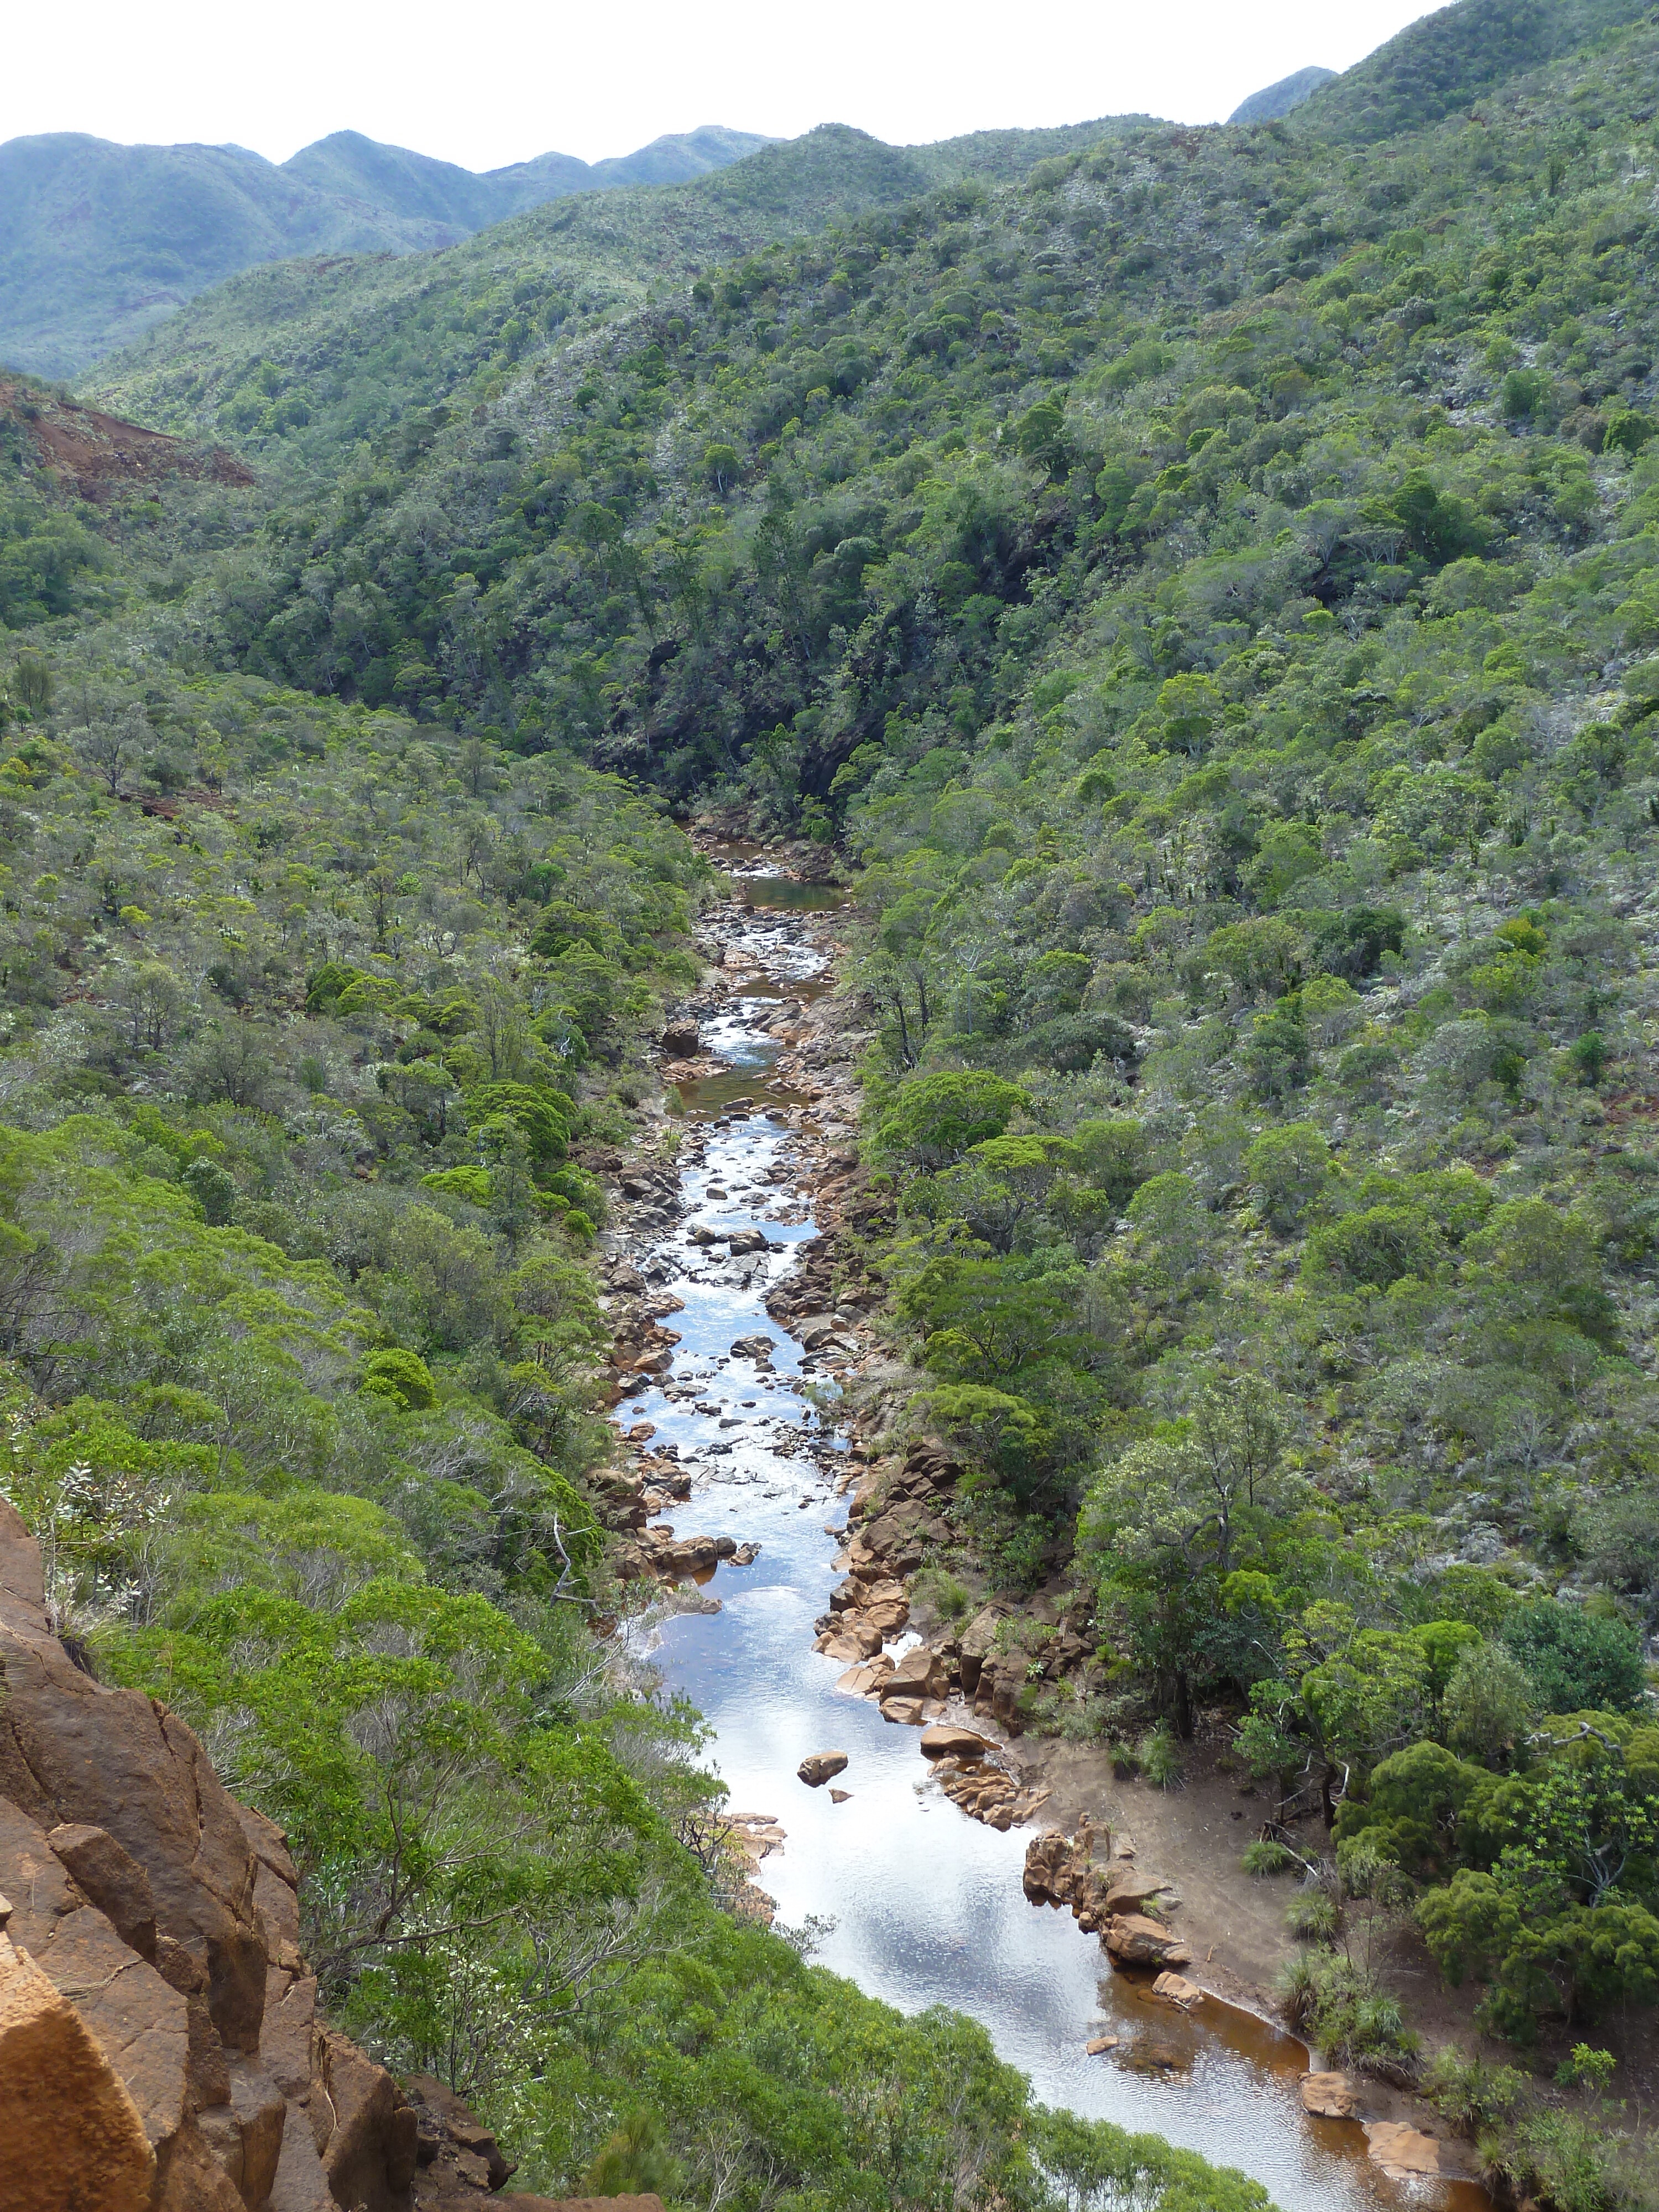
(1576,1662)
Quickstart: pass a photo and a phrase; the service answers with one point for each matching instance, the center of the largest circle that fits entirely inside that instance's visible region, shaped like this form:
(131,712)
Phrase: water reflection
(924,1905)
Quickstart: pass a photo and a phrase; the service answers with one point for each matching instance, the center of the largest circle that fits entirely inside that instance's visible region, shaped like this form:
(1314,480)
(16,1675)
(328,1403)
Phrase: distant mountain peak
(1276,99)
(103,241)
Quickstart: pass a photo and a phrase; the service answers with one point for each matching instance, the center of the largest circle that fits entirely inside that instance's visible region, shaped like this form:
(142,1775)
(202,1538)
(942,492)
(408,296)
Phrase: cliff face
(160,2045)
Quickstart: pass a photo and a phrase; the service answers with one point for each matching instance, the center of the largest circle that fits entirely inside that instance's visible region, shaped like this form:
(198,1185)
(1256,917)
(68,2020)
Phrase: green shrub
(1313,1918)
(938,1589)
(1264,1854)
(402,1376)
(1576,1662)
(1159,1756)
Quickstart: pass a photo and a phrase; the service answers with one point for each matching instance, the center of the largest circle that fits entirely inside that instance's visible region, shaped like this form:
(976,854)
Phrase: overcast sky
(500,80)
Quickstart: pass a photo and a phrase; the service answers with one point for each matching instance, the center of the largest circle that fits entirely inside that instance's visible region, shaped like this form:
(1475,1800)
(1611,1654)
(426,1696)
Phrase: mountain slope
(1276,99)
(298,355)
(1449,59)
(100,242)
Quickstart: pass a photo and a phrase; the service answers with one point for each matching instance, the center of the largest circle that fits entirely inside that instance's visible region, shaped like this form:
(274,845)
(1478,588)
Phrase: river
(918,1904)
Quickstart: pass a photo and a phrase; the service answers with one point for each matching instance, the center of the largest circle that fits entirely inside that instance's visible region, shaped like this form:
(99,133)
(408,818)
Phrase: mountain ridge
(103,241)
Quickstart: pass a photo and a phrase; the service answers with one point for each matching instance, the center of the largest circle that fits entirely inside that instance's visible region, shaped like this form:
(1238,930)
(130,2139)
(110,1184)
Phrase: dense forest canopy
(1204,587)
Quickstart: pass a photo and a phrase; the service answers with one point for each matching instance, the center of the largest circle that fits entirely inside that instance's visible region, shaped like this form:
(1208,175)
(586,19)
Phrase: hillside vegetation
(1204,586)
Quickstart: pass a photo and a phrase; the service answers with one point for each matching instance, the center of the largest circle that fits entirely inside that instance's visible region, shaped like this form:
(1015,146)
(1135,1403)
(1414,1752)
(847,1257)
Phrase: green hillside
(298,360)
(1203,586)
(1448,59)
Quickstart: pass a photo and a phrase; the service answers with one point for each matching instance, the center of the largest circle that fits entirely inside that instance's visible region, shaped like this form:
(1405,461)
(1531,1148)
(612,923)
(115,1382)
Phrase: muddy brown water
(913,1902)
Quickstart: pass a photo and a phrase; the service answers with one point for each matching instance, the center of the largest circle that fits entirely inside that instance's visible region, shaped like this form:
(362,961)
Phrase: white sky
(500,80)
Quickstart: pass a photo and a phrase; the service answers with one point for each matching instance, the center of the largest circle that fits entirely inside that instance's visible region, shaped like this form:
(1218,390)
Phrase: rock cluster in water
(1108,1895)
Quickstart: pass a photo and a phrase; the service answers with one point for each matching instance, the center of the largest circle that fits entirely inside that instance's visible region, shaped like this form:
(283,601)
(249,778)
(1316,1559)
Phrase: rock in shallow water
(1134,1941)
(944,1740)
(1176,1989)
(1330,2096)
(819,1766)
(1401,2152)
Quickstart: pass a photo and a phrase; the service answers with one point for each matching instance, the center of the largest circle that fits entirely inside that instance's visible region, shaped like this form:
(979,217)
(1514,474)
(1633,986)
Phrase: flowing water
(921,1905)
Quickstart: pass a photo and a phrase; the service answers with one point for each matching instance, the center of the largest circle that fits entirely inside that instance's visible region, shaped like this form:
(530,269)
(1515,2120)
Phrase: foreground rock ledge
(160,2048)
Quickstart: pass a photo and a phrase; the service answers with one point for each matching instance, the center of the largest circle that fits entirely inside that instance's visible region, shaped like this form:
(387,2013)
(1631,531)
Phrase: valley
(829,1213)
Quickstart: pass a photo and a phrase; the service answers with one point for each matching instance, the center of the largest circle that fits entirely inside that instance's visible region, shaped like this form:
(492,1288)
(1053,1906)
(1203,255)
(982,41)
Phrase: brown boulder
(851,1638)
(301,2185)
(889,1617)
(682,1041)
(946,1739)
(365,2131)
(1134,1941)
(74,1753)
(910,1712)
(462,2126)
(112,1880)
(245,2133)
(141,2025)
(822,1767)
(919,1673)
(1123,1890)
(73,2138)
(1330,2096)
(1403,2153)
(1176,1989)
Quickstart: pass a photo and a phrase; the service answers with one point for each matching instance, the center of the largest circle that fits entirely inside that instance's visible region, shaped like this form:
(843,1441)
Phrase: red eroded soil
(98,454)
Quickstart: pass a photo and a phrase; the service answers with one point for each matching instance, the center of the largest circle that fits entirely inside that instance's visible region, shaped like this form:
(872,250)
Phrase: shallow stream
(922,1905)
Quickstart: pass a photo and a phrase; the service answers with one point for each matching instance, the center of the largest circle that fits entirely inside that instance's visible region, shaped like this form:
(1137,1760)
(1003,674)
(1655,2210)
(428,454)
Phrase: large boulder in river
(888,1616)
(682,1041)
(946,1739)
(851,1638)
(919,1673)
(911,1712)
(822,1767)
(1405,2153)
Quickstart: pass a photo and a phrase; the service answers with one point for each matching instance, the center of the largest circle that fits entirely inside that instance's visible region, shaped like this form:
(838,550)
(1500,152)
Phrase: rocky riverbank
(1164,1890)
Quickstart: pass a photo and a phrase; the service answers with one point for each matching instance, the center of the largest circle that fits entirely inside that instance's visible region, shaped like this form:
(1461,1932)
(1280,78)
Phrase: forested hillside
(1203,588)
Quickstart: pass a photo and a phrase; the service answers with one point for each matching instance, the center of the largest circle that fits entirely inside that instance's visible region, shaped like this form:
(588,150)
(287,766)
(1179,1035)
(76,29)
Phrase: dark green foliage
(1577,1662)
(1448,60)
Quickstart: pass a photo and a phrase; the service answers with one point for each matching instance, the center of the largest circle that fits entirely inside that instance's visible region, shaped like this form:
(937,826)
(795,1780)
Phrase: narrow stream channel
(923,1904)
